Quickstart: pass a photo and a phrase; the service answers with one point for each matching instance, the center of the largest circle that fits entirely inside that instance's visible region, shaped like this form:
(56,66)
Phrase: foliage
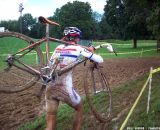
(122,19)
(137,15)
(28,22)
(116,17)
(78,14)
(153,20)
(127,19)
(11,25)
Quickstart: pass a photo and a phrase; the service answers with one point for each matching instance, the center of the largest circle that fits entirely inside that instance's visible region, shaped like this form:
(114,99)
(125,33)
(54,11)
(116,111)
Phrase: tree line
(122,19)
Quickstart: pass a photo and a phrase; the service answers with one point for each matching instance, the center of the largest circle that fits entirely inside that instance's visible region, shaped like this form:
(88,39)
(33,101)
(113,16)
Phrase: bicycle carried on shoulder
(22,64)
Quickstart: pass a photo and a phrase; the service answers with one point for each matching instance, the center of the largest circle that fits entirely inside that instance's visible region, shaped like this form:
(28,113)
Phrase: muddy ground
(18,108)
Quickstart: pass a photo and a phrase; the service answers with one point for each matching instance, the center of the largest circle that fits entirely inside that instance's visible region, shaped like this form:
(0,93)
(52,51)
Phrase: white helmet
(72,32)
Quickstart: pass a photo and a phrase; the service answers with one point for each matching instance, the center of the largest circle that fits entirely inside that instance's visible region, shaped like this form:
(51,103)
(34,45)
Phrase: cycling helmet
(72,32)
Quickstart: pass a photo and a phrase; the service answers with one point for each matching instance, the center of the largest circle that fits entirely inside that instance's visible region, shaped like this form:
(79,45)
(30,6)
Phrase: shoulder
(59,46)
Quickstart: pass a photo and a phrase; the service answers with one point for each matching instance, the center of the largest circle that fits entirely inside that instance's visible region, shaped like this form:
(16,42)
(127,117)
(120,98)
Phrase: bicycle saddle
(46,20)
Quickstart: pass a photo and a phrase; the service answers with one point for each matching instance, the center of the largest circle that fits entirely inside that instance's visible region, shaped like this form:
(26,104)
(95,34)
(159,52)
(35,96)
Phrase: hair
(70,38)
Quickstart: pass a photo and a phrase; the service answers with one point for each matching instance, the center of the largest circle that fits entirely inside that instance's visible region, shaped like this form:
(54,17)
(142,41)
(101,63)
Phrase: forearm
(92,56)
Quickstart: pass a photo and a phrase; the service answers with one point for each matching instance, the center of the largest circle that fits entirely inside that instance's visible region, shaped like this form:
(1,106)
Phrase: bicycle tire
(15,80)
(100,102)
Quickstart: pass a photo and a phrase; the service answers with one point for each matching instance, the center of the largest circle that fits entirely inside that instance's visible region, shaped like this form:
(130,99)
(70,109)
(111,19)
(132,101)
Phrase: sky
(9,8)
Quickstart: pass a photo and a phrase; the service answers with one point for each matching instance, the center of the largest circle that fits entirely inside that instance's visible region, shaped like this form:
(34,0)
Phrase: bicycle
(18,63)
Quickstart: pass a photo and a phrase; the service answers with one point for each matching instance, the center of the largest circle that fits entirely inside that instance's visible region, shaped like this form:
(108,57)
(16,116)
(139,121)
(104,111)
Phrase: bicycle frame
(13,59)
(10,60)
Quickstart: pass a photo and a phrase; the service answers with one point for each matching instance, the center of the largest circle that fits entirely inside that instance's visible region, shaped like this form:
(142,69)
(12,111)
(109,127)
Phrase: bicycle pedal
(7,69)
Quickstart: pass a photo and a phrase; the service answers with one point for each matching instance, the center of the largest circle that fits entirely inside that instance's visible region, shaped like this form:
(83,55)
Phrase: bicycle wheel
(98,93)
(13,79)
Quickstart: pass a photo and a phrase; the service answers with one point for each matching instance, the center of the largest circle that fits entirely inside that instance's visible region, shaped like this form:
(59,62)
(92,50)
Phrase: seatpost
(47,43)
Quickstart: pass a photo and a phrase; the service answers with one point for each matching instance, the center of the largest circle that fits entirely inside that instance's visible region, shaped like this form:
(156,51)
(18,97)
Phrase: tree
(11,25)
(77,14)
(27,23)
(115,16)
(96,31)
(137,15)
(37,30)
(153,20)
(105,29)
(127,19)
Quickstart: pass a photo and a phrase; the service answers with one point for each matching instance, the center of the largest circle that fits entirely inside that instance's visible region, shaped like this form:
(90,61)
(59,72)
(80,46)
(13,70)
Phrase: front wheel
(98,93)
(13,79)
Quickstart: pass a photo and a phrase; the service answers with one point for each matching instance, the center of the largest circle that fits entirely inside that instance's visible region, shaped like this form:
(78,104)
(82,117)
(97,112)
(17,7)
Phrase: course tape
(155,70)
(119,44)
(34,53)
(138,98)
(122,53)
(113,43)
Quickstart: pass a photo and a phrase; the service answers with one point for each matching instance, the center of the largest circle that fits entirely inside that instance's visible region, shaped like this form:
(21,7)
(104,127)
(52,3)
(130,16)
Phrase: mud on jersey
(67,55)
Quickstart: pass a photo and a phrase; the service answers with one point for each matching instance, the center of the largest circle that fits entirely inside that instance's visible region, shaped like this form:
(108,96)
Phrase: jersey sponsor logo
(65,50)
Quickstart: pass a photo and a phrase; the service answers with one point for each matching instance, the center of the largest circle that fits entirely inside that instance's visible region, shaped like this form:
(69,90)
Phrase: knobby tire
(89,82)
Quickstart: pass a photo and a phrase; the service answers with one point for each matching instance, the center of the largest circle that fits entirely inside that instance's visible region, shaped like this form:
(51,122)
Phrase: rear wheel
(98,93)
(13,79)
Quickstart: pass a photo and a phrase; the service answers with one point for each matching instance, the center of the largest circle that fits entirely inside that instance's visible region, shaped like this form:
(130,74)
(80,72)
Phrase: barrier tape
(122,53)
(113,43)
(155,70)
(138,98)
(21,54)
(119,44)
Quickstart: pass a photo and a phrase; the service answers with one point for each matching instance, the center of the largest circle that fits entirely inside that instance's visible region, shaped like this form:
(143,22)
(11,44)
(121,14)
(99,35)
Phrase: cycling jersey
(66,55)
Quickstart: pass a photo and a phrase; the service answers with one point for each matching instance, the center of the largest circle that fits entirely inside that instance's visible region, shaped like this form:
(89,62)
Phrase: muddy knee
(52,106)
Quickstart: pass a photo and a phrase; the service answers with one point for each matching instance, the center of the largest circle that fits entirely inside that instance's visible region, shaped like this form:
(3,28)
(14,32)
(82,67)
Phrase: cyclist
(62,88)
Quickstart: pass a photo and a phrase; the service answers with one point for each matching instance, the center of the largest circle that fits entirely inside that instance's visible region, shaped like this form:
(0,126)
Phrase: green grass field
(124,49)
(146,48)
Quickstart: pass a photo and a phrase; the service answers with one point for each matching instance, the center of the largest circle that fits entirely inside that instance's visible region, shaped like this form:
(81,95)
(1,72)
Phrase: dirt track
(18,108)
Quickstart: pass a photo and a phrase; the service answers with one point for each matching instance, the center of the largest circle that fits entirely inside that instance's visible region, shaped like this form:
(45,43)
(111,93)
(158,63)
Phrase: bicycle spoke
(19,74)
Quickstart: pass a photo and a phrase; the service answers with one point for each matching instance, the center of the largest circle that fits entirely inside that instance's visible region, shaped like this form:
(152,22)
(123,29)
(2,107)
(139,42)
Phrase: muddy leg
(78,117)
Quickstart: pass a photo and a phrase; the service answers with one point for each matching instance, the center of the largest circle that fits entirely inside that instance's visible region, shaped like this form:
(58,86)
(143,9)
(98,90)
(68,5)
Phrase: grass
(152,118)
(10,46)
(146,48)
(124,49)
(123,97)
